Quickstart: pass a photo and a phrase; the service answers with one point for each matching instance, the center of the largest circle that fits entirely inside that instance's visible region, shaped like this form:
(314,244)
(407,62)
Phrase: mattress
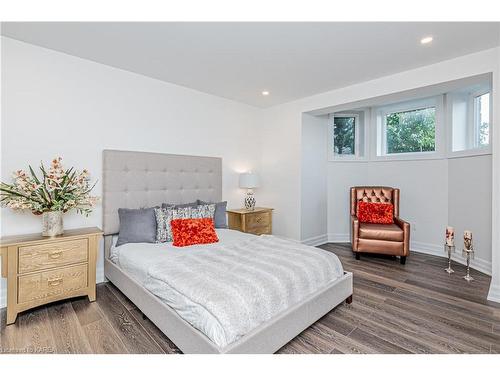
(228,288)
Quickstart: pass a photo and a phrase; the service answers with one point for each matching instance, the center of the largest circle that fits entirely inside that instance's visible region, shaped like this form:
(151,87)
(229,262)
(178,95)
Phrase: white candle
(450,236)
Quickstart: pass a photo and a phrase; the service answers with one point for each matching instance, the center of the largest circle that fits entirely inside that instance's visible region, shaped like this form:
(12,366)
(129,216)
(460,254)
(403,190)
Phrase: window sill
(470,153)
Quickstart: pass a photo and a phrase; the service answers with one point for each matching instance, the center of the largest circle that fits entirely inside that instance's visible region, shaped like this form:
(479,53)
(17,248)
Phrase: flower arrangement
(56,190)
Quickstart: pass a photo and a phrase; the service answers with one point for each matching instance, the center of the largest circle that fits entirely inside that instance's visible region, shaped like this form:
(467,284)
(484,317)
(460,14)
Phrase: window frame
(475,118)
(332,156)
(471,131)
(379,145)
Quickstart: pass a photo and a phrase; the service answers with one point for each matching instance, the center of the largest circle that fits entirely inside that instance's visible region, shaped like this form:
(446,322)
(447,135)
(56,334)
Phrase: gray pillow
(184,205)
(136,225)
(220,219)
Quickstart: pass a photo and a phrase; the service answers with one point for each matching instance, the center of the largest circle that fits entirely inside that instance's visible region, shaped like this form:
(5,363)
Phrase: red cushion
(377,213)
(188,232)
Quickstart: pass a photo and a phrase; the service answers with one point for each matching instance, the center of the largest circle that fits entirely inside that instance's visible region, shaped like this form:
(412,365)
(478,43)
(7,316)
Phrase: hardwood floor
(415,308)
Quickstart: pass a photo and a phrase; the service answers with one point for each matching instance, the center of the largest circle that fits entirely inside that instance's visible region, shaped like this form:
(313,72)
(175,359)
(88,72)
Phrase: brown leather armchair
(391,239)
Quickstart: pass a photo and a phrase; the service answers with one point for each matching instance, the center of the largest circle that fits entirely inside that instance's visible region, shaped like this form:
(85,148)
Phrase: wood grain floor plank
(339,342)
(132,334)
(86,312)
(103,339)
(121,297)
(31,334)
(376,344)
(66,329)
(155,333)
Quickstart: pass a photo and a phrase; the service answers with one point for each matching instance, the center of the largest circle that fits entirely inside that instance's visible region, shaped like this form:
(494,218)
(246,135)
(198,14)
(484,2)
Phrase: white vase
(52,223)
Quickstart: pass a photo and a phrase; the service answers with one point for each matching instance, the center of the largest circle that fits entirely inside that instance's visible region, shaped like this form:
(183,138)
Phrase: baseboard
(494,293)
(427,248)
(339,237)
(316,241)
(438,250)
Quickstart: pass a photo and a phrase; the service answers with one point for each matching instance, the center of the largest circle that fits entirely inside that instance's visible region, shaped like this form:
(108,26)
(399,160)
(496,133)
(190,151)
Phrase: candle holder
(449,249)
(469,254)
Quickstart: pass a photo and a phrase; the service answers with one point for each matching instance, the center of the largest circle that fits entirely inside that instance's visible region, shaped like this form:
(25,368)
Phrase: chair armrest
(405,226)
(354,232)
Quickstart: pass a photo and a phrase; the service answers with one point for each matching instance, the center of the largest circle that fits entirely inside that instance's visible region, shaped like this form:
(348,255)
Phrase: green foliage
(411,131)
(484,134)
(343,135)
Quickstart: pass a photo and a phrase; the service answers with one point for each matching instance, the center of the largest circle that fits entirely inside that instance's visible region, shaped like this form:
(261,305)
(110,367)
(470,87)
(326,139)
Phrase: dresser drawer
(40,257)
(47,284)
(258,221)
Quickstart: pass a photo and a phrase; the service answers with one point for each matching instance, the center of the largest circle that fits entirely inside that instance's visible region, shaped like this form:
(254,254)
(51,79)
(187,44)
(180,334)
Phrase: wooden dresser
(40,269)
(257,221)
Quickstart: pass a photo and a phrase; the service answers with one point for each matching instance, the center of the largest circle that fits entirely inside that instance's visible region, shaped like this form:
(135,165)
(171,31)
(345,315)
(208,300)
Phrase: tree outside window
(411,131)
(344,135)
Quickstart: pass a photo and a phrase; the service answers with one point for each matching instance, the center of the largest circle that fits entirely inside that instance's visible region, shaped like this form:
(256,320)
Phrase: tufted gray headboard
(144,179)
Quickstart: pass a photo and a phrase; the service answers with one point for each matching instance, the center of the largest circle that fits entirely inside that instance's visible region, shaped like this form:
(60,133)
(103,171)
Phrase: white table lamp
(249,181)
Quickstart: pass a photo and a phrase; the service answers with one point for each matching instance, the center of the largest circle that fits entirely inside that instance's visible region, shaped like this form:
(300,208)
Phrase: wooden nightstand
(257,221)
(40,269)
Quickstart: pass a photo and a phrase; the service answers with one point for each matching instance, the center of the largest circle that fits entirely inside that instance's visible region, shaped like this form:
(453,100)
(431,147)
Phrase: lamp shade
(249,180)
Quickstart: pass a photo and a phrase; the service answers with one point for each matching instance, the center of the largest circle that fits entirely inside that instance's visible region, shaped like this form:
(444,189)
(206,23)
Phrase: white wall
(469,204)
(494,292)
(57,104)
(314,179)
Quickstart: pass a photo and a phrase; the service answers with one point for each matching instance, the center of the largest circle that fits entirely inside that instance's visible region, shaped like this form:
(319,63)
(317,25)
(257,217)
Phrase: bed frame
(140,179)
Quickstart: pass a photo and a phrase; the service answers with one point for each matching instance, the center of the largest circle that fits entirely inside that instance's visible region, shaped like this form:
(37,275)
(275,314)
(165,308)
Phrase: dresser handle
(55,281)
(55,254)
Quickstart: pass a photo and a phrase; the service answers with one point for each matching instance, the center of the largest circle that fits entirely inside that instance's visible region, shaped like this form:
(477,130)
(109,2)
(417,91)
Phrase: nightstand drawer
(40,257)
(258,220)
(259,230)
(47,284)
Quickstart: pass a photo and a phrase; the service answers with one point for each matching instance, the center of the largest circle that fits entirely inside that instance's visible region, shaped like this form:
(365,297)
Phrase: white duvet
(227,289)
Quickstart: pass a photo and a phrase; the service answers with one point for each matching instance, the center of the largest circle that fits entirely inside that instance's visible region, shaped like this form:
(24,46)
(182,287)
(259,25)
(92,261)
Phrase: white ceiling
(240,60)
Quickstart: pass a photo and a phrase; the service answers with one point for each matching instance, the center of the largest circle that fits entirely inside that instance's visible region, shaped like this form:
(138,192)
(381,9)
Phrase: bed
(159,279)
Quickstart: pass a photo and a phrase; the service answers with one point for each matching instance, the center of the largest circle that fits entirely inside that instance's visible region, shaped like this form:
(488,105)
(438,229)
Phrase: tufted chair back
(376,194)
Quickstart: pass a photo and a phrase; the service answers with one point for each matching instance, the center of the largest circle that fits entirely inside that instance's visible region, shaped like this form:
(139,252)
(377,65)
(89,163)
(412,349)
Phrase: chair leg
(402,260)
(358,256)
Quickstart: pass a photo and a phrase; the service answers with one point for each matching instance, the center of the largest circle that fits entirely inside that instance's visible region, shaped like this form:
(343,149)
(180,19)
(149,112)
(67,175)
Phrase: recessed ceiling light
(426,40)
(265,93)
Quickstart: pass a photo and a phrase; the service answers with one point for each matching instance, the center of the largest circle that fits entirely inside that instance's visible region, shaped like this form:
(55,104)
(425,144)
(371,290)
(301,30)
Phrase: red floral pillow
(377,213)
(188,232)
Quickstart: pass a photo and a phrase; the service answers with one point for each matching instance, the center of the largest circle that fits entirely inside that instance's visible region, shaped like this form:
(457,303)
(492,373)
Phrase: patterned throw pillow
(203,211)
(376,213)
(163,229)
(164,216)
(188,232)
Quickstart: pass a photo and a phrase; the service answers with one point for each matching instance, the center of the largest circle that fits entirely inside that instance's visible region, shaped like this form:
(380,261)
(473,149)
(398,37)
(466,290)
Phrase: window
(344,134)
(470,110)
(482,120)
(411,131)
